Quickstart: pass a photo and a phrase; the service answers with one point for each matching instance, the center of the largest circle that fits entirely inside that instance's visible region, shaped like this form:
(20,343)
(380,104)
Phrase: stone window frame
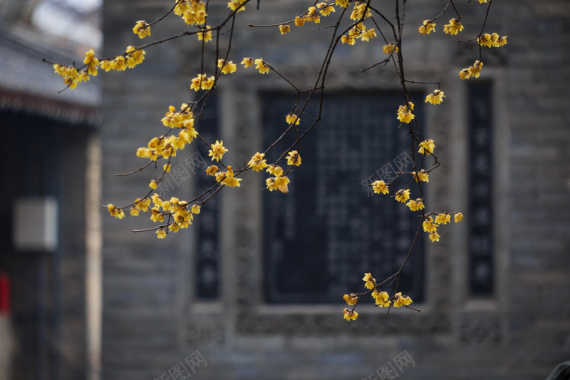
(242,217)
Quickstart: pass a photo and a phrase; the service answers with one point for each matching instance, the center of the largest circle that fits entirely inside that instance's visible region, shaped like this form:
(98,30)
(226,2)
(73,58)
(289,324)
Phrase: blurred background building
(46,137)
(253,289)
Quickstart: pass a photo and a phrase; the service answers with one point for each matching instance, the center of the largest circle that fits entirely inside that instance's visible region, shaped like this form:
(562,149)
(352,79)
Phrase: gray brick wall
(151,320)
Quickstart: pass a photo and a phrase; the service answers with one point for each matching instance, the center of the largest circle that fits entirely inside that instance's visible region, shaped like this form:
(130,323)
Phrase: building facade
(46,142)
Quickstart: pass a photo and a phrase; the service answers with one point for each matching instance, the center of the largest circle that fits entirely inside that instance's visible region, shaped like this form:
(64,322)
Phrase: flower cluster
(206,34)
(436,97)
(381,298)
(227,178)
(422,175)
(217,150)
(292,119)
(313,14)
(142,29)
(259,64)
(361,11)
(177,213)
(257,162)
(426,147)
(405,114)
(193,12)
(284,29)
(293,158)
(389,48)
(430,225)
(453,27)
(471,71)
(202,82)
(72,76)
(130,59)
(279,181)
(227,67)
(358,31)
(492,40)
(166,147)
(427,27)
(236,5)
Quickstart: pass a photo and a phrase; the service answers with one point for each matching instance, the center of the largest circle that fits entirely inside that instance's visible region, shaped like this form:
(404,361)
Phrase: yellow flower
(428,225)
(351,299)
(236,4)
(114,211)
(260,65)
(143,204)
(202,82)
(436,97)
(70,82)
(282,183)
(416,205)
(257,163)
(229,179)
(247,62)
(453,27)
(427,27)
(211,170)
(299,21)
(379,187)
(161,234)
(294,158)
(195,209)
(133,57)
(426,146)
(275,170)
(458,217)
(405,114)
(227,67)
(134,211)
(142,152)
(501,41)
(217,150)
(350,314)
(205,36)
(400,300)
(142,29)
(292,118)
(156,200)
(174,227)
(370,282)
(325,9)
(434,236)
(342,3)
(403,195)
(422,175)
(89,56)
(270,184)
(443,218)
(358,11)
(382,298)
(475,70)
(153,184)
(166,167)
(347,39)
(388,48)
(486,40)
(465,74)
(284,29)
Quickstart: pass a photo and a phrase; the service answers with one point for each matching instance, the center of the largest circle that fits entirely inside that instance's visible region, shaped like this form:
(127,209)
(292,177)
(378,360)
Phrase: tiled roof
(27,83)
